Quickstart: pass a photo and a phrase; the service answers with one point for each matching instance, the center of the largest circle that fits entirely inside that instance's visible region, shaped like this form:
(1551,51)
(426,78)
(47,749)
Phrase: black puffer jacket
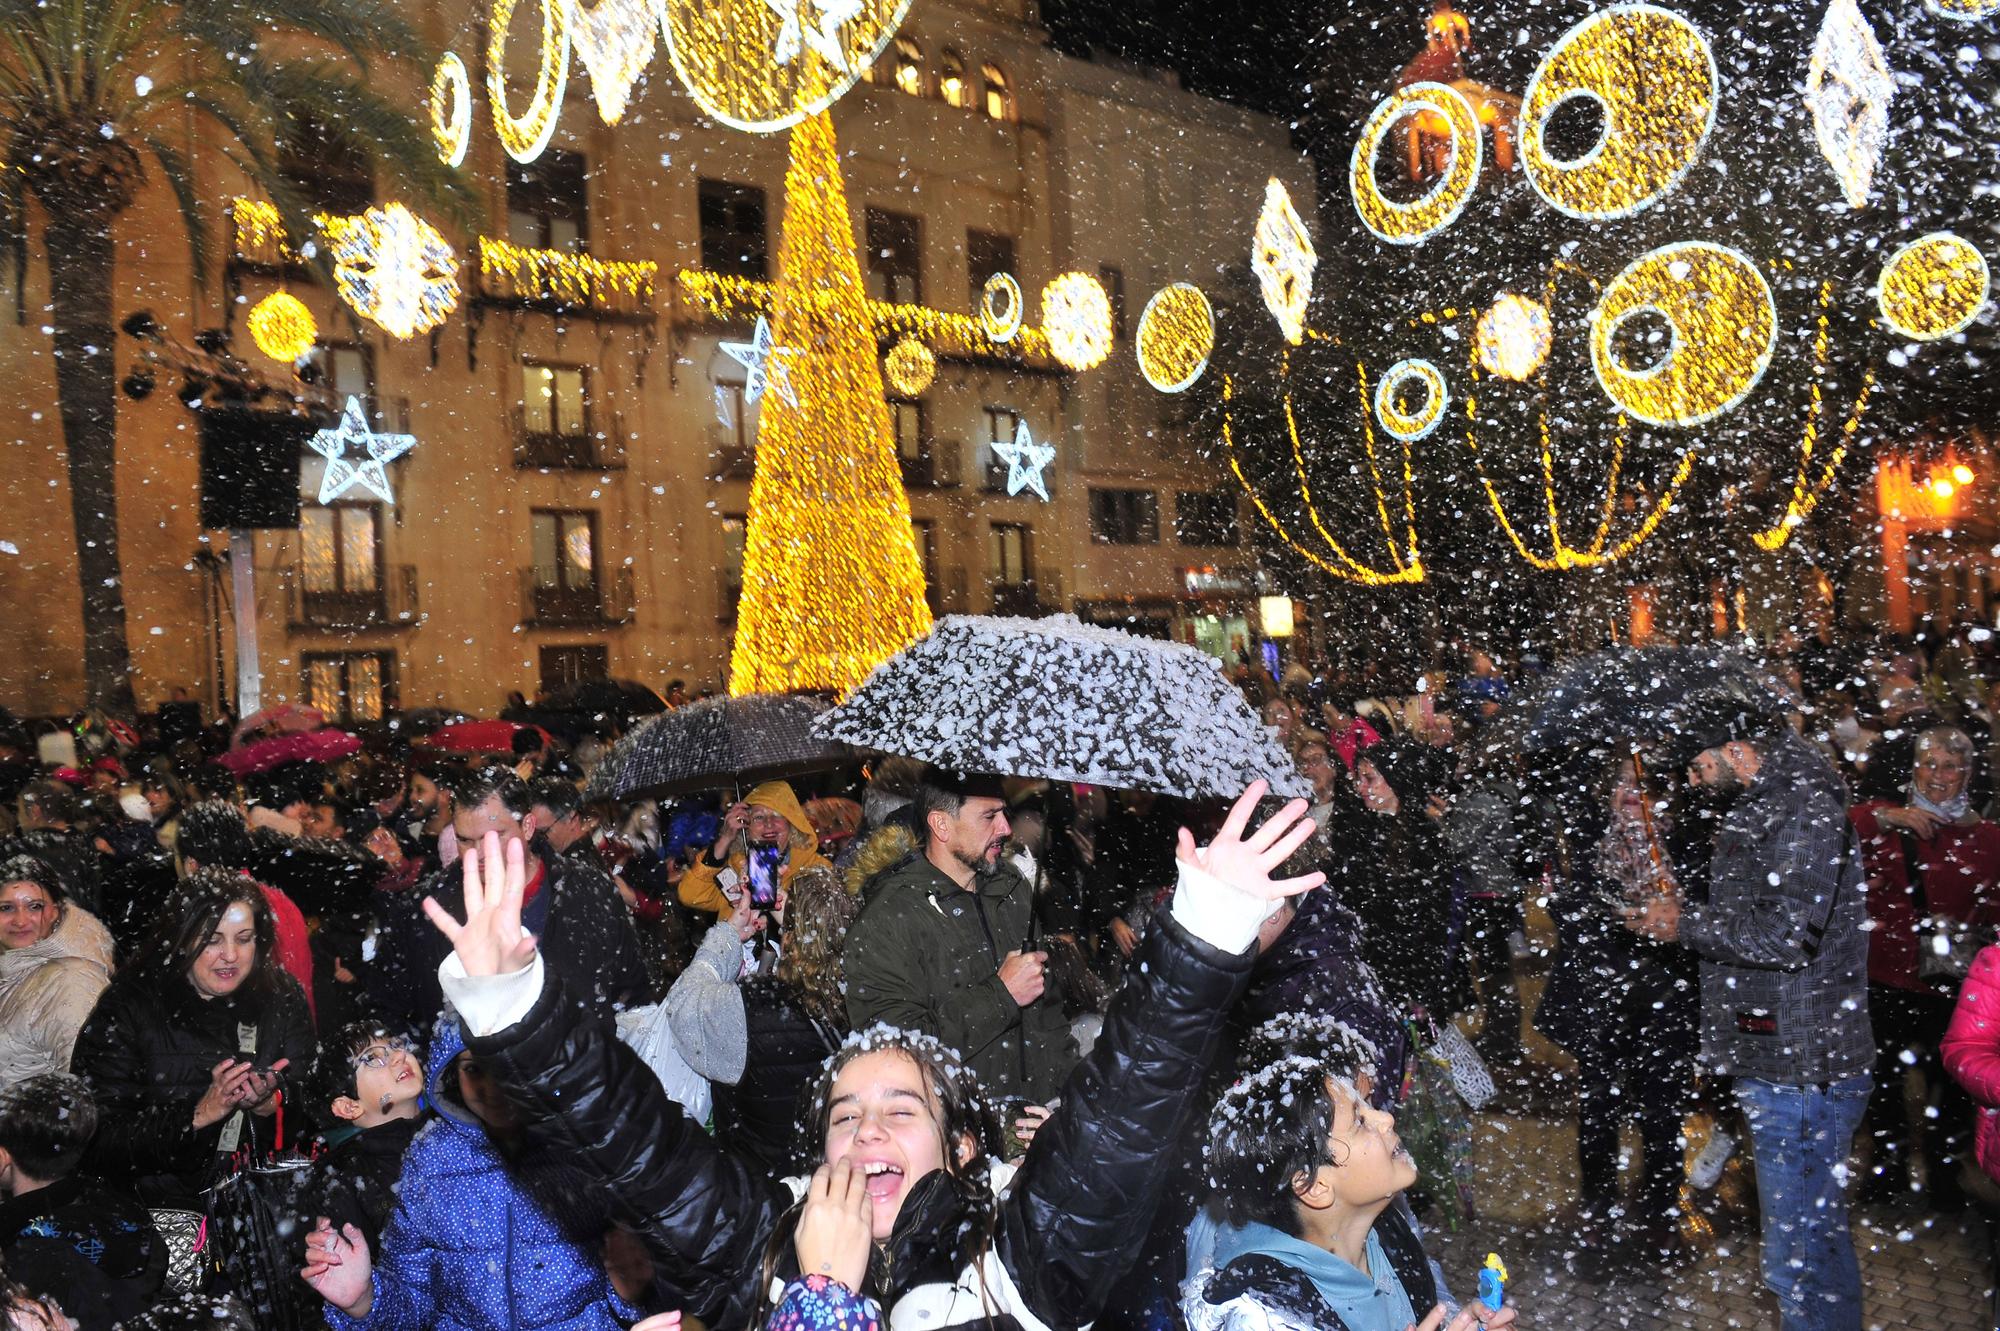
(148,1051)
(1070,1222)
(585,934)
(759,1115)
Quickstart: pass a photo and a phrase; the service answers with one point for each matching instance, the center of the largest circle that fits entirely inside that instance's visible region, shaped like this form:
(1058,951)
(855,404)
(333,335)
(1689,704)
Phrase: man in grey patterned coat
(1783,945)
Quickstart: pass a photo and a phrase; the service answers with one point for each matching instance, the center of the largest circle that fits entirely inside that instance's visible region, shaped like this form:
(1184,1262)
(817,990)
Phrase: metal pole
(243,582)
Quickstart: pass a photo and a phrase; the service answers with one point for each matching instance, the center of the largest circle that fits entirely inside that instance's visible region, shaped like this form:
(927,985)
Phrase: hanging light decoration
(282,327)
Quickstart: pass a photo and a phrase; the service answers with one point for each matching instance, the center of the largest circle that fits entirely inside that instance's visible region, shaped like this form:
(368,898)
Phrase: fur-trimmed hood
(883,849)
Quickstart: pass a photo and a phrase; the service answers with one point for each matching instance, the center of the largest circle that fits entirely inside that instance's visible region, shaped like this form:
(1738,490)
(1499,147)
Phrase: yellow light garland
(1409,223)
(393,267)
(282,327)
(1283,258)
(766,65)
(1176,336)
(832,582)
(519,273)
(722,296)
(1001,305)
(1805,497)
(1076,316)
(260,233)
(451,109)
(524,137)
(1395,418)
(1933,287)
(1513,338)
(1653,76)
(1725,327)
(909,367)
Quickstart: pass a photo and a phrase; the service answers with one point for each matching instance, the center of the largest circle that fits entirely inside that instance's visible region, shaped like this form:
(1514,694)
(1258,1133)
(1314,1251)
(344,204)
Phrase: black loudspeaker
(250,468)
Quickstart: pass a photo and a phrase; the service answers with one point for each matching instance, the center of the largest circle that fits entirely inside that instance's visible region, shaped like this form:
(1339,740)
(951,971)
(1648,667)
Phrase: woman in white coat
(55,959)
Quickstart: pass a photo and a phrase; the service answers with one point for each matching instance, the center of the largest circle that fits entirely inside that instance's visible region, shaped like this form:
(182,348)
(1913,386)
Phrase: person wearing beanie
(764,842)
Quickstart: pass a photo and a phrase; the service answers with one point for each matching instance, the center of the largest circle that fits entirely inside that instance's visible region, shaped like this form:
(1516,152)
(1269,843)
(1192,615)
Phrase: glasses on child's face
(383,1054)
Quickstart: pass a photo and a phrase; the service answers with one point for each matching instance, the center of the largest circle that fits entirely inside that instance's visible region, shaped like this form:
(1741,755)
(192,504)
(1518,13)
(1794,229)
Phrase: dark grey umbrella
(1628,696)
(1061,700)
(719,742)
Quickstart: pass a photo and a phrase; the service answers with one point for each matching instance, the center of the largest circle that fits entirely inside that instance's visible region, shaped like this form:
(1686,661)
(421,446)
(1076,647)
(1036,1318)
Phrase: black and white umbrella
(719,742)
(1065,701)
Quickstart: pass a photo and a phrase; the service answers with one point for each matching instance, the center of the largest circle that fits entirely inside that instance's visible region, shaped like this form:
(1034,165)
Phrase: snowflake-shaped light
(823,38)
(764,362)
(394,268)
(1283,259)
(343,474)
(1848,87)
(1025,461)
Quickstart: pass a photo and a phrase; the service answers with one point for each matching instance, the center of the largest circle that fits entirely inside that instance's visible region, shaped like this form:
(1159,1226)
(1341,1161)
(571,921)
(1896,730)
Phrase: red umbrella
(317,746)
(479,737)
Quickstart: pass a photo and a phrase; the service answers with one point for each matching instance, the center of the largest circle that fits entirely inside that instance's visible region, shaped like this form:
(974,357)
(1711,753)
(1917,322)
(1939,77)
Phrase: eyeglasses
(381,1055)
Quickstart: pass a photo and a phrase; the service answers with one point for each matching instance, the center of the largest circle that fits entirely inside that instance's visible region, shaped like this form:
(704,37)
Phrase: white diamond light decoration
(342,474)
(1848,87)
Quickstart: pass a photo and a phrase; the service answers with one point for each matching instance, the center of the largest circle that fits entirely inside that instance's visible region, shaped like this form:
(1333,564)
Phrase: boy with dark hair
(45,1124)
(371,1080)
(1308,1179)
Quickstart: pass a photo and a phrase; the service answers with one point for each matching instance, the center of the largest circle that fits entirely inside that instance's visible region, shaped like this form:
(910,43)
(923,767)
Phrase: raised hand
(491,941)
(1245,862)
(837,1225)
(339,1269)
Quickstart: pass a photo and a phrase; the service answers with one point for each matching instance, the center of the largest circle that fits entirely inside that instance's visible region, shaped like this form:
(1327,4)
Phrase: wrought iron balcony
(607,602)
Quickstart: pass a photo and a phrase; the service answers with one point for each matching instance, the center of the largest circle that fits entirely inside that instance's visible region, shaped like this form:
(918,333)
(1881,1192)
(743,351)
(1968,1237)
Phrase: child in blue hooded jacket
(1308,1179)
(477,1241)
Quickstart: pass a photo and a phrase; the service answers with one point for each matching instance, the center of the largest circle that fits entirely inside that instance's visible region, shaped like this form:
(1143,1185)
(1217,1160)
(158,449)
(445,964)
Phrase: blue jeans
(1800,1137)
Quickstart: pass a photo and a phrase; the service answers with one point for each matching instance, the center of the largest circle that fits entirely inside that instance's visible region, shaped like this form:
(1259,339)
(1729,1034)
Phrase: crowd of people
(410,1039)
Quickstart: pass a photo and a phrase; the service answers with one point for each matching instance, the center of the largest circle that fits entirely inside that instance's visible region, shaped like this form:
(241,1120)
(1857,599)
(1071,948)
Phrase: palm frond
(14,232)
(179,172)
(365,30)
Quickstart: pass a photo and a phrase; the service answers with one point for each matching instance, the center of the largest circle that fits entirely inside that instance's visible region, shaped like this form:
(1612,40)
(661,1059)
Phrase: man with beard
(1783,945)
(946,944)
(429,808)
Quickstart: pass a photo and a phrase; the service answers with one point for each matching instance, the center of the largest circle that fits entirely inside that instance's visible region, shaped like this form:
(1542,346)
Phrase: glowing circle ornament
(451,109)
(1283,258)
(1513,337)
(394,268)
(1724,327)
(1176,335)
(1933,287)
(1408,223)
(1653,78)
(765,65)
(909,367)
(1965,11)
(282,327)
(1076,317)
(1000,306)
(526,135)
(1411,421)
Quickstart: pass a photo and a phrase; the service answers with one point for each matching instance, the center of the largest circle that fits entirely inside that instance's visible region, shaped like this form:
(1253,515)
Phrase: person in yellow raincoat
(767,820)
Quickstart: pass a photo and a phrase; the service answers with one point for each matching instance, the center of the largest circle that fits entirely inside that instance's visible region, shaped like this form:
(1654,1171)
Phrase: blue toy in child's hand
(1493,1283)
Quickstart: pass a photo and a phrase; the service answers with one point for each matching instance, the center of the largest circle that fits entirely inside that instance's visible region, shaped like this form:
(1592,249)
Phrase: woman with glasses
(1933,868)
(370,1084)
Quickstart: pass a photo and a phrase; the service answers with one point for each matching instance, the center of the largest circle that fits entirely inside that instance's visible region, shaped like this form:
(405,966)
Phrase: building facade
(575,501)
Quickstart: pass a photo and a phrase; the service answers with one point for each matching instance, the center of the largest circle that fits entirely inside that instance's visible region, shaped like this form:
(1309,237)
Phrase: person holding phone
(765,841)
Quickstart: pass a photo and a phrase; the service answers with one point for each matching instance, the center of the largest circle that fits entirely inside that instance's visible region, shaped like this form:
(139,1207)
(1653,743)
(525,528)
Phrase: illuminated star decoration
(1025,459)
(1848,87)
(343,475)
(825,39)
(762,362)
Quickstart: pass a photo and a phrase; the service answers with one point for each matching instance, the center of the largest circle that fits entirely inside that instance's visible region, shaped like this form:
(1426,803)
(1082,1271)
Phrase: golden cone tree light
(832,584)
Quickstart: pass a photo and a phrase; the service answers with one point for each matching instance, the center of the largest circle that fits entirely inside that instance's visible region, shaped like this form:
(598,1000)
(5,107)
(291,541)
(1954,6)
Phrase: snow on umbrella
(1065,701)
(478,737)
(1640,695)
(719,742)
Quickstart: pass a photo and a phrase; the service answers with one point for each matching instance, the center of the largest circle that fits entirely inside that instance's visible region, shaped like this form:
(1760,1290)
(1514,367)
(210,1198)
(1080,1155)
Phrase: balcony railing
(727,459)
(1032,597)
(560,280)
(946,593)
(605,603)
(728,591)
(935,468)
(592,450)
(391,606)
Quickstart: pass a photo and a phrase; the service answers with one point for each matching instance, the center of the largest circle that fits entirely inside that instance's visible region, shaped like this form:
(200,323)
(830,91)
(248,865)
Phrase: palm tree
(92,94)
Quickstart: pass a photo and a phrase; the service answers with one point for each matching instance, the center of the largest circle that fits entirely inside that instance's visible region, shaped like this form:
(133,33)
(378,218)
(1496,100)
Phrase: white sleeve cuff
(1217,913)
(490,1003)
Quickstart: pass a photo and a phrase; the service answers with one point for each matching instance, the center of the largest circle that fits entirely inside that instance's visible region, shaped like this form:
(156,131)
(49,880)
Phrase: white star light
(343,475)
(761,361)
(824,39)
(1848,87)
(1025,459)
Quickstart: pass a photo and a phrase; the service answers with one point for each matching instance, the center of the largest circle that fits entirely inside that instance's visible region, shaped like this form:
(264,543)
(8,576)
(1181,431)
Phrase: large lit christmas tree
(832,583)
